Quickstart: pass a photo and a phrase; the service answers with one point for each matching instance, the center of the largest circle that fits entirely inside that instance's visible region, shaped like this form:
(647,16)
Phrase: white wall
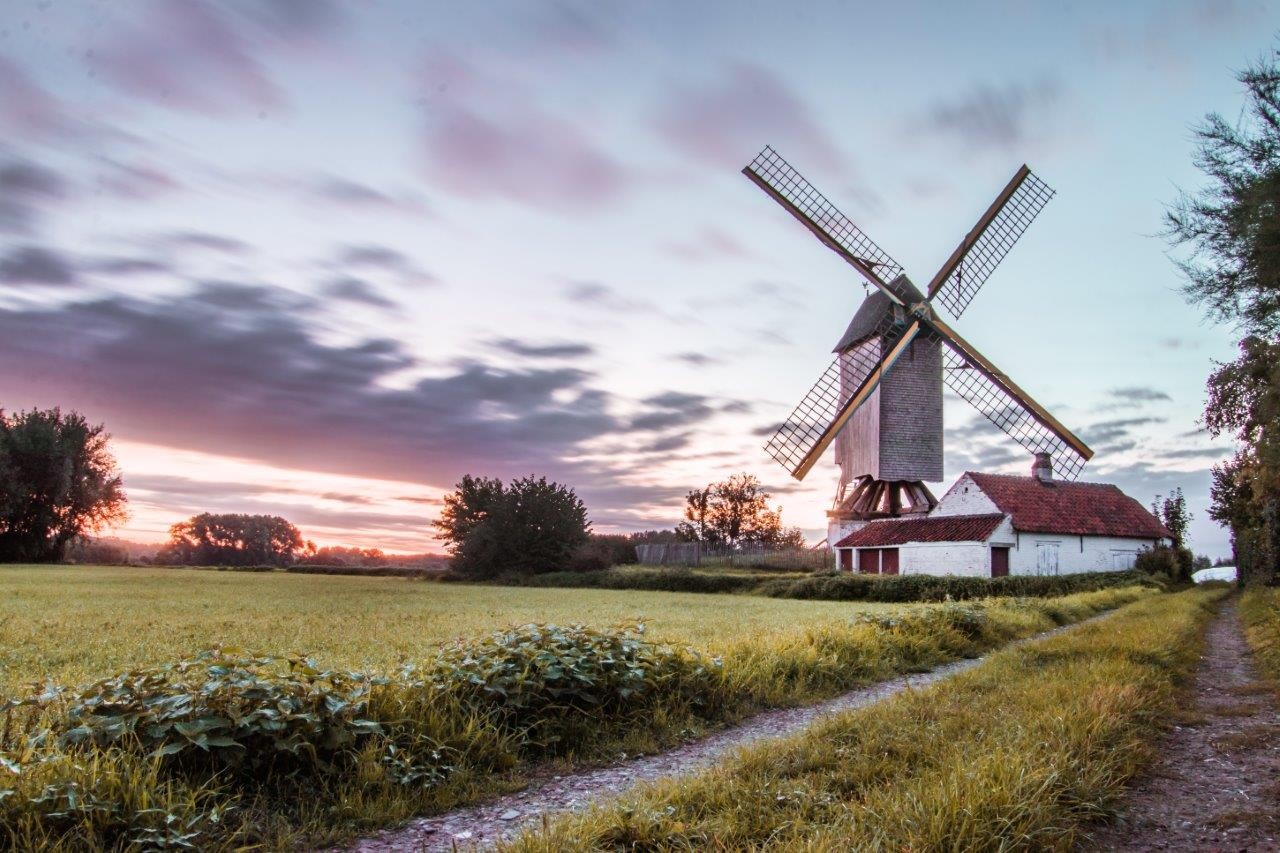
(1075,553)
(838,528)
(970,559)
(965,498)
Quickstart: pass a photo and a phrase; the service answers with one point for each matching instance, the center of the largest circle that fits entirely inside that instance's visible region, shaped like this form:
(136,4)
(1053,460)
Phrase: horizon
(312,263)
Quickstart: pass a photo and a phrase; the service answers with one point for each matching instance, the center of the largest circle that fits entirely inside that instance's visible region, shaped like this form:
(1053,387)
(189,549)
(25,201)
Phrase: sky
(321,259)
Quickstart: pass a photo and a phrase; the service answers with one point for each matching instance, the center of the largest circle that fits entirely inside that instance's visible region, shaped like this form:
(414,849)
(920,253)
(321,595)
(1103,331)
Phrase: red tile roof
(1096,509)
(944,528)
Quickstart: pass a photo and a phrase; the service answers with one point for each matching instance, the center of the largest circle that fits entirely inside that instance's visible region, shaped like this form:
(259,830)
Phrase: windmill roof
(873,309)
(939,528)
(1090,509)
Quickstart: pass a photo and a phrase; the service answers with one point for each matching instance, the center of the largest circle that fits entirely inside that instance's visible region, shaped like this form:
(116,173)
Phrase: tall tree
(528,526)
(1232,227)
(732,512)
(58,481)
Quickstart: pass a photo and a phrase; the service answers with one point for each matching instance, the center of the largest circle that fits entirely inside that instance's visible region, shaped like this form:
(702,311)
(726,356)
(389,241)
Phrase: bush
(1172,563)
(674,579)
(223,710)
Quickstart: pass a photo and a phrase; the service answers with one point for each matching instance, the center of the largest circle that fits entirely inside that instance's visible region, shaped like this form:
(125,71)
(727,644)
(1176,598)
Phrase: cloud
(26,191)
(351,289)
(1196,453)
(187,55)
(1137,395)
(987,116)
(127,266)
(374,256)
(1107,432)
(697,359)
(36,265)
(553,350)
(708,244)
(356,195)
(231,369)
(133,181)
(26,108)
(203,240)
(674,409)
(487,138)
(725,122)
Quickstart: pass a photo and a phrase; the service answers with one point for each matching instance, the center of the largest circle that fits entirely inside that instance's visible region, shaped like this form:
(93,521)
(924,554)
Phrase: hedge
(835,587)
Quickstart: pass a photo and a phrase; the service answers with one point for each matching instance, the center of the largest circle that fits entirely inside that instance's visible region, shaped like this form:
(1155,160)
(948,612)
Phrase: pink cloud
(726,122)
(485,138)
(188,55)
(27,109)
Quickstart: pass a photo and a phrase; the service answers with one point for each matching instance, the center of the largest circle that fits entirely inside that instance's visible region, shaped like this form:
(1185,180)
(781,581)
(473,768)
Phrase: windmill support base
(867,499)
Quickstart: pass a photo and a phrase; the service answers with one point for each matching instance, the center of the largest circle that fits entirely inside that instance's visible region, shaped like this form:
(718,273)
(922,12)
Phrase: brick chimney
(1042,468)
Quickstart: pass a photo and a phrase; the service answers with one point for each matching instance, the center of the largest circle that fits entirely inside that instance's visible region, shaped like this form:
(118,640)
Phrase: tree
(732,512)
(232,539)
(529,526)
(1173,513)
(58,481)
(1233,228)
(694,528)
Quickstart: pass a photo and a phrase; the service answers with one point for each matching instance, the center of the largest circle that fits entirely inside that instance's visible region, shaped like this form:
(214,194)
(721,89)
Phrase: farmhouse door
(889,561)
(869,561)
(999,562)
(1047,558)
(846,559)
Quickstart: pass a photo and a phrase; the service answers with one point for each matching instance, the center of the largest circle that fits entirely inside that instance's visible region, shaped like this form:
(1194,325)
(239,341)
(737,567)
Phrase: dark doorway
(846,559)
(999,562)
(889,561)
(869,561)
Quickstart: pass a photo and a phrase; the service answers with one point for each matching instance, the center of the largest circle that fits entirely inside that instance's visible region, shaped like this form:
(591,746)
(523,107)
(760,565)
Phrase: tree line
(1232,227)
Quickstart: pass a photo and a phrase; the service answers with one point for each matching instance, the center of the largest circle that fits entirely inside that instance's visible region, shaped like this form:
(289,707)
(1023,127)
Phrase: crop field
(73,623)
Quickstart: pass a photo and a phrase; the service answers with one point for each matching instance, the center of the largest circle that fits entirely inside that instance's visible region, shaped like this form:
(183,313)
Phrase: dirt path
(482,826)
(1216,781)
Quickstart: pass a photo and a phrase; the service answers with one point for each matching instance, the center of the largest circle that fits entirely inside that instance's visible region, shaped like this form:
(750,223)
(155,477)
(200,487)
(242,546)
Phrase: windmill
(880,400)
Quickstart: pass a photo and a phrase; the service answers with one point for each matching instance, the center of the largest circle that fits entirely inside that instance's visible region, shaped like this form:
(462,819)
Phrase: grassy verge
(1015,754)
(227,750)
(1260,612)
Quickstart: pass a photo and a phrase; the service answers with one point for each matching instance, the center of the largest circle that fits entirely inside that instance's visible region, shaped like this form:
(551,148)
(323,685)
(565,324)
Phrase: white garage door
(1047,558)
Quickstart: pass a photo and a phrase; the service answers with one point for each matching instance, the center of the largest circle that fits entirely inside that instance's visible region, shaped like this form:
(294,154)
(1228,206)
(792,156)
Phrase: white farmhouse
(991,525)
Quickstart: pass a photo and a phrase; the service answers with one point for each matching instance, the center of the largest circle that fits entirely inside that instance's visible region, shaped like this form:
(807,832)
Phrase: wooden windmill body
(880,401)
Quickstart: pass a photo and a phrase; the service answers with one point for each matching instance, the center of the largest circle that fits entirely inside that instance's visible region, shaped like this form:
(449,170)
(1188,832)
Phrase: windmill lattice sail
(802,200)
(1001,227)
(1009,414)
(794,442)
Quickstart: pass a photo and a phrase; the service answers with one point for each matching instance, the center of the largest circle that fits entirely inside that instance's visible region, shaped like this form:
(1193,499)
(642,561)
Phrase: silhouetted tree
(529,526)
(58,480)
(732,512)
(232,539)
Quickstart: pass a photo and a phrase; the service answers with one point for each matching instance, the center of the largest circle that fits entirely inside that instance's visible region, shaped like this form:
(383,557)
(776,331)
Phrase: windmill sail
(803,201)
(977,381)
(984,247)
(839,392)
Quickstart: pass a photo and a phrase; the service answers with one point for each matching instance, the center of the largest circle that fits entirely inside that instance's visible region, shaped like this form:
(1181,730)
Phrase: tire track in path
(1215,784)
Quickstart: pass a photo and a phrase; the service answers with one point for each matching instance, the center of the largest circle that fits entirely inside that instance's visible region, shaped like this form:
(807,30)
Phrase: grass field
(72,623)
(1017,754)
(79,770)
